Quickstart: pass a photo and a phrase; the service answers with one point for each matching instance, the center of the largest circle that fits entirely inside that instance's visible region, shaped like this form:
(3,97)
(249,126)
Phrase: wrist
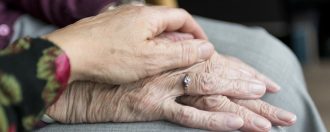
(74,48)
(53,67)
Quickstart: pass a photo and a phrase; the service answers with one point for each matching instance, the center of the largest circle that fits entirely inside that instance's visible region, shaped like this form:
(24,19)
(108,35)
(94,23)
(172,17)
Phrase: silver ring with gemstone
(186,83)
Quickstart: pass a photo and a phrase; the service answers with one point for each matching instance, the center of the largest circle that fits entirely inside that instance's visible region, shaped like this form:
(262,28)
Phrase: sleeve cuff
(45,118)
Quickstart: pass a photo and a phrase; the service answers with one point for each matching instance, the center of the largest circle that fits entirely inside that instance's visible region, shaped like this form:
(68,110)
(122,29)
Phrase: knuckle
(236,86)
(266,110)
(215,102)
(205,89)
(243,112)
(210,102)
(205,83)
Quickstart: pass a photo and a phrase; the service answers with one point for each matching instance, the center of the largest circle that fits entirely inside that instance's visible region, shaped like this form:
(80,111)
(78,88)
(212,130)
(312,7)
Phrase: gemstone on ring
(186,81)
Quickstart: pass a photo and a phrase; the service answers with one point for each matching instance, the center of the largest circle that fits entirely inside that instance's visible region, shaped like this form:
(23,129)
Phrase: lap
(156,126)
(252,45)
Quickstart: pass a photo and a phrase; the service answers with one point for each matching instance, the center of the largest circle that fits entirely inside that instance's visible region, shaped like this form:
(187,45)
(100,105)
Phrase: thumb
(184,53)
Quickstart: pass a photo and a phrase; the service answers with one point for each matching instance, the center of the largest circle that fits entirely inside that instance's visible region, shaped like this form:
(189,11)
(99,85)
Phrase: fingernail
(277,87)
(205,51)
(286,116)
(262,123)
(235,122)
(258,88)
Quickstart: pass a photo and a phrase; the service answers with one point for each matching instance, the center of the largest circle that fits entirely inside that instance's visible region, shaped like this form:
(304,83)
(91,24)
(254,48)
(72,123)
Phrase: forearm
(29,81)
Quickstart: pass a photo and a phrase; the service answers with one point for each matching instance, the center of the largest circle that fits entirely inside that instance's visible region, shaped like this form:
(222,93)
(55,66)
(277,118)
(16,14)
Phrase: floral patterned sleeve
(33,73)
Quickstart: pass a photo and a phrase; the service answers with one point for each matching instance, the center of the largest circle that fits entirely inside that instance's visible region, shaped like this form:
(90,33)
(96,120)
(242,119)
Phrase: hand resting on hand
(224,96)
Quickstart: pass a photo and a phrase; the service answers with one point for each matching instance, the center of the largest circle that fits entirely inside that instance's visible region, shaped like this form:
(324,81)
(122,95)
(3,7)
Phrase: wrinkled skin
(96,46)
(222,86)
(154,99)
(146,100)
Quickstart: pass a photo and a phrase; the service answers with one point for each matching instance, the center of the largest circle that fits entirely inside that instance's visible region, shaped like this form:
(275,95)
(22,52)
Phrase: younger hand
(118,46)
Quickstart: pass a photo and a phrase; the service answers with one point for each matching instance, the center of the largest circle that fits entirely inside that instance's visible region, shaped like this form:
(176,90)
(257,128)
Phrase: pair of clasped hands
(128,64)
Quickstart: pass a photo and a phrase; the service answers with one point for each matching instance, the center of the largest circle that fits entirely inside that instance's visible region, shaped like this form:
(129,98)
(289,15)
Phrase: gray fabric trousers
(252,45)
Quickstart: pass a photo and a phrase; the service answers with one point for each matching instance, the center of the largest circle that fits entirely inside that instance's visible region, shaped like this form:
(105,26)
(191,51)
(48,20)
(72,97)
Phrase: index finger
(272,113)
(243,67)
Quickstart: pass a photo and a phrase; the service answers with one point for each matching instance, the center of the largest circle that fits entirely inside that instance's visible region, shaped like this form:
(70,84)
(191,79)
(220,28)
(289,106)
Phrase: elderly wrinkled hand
(155,98)
(146,100)
(257,114)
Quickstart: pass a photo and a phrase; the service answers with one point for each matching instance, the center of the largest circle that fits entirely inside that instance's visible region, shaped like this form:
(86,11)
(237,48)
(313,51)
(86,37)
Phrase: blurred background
(303,25)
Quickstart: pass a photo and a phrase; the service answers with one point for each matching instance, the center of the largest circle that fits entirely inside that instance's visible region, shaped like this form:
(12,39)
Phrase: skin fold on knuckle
(258,106)
(246,115)
(232,107)
(214,102)
(233,87)
(205,84)
(267,110)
